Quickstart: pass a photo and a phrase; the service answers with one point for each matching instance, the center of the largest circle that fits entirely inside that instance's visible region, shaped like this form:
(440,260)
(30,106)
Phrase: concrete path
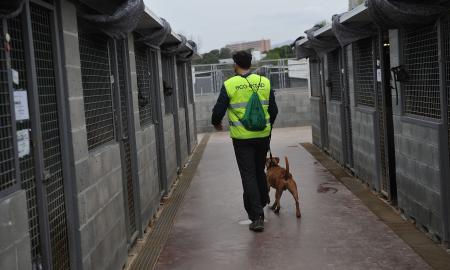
(336,230)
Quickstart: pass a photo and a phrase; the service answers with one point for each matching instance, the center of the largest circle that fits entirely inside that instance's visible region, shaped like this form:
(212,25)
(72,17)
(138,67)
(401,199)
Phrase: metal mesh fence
(144,83)
(96,81)
(189,84)
(46,86)
(168,81)
(282,73)
(27,169)
(347,112)
(315,78)
(364,72)
(381,110)
(421,59)
(181,75)
(7,167)
(446,53)
(334,75)
(126,132)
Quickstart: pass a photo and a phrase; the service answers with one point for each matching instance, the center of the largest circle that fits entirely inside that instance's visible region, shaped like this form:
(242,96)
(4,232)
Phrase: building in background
(262,45)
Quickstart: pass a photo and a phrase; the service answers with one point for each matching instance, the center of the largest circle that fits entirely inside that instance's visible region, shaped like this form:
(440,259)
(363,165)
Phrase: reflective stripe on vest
(239,92)
(239,123)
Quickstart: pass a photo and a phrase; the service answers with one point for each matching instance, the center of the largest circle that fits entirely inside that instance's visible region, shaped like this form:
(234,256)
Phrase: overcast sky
(213,24)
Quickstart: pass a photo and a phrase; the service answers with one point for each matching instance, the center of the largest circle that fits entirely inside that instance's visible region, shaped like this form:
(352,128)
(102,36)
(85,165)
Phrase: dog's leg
(292,187)
(276,206)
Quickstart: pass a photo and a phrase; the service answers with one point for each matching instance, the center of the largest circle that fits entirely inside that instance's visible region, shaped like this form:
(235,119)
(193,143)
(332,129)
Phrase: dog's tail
(287,175)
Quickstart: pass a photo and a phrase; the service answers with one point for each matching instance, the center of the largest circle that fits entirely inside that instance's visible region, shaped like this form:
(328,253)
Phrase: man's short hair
(243,59)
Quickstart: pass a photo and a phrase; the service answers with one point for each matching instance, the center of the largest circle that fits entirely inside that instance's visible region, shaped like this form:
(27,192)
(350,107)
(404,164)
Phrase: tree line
(213,56)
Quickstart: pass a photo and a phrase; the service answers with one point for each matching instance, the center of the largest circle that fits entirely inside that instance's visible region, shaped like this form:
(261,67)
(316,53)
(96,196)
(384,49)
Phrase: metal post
(159,102)
(37,144)
(67,148)
(13,115)
(444,138)
(132,138)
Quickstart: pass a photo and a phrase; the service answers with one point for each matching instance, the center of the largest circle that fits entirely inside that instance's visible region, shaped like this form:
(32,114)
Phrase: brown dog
(280,179)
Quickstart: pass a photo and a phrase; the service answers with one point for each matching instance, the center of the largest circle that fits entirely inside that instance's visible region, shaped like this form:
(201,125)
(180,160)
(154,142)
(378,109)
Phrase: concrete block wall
(170,148)
(147,158)
(293,106)
(183,135)
(192,126)
(335,131)
(203,108)
(98,173)
(417,152)
(364,146)
(15,242)
(316,121)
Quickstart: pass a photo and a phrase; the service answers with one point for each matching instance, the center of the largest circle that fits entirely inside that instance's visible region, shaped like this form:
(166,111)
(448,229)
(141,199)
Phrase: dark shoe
(257,225)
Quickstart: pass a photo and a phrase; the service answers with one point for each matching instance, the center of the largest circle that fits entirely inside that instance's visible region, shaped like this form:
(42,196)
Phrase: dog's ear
(277,160)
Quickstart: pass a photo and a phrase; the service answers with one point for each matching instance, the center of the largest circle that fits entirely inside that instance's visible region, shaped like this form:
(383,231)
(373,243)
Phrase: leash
(270,149)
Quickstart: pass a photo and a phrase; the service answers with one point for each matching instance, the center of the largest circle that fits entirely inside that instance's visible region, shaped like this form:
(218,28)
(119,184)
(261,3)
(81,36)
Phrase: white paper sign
(23,142)
(15,76)
(21,105)
(378,75)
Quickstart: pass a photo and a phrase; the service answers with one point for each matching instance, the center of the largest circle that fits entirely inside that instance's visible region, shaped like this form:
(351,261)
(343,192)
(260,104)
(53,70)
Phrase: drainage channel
(156,238)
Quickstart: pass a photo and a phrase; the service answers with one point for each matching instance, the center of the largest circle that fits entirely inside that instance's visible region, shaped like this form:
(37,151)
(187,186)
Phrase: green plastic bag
(254,118)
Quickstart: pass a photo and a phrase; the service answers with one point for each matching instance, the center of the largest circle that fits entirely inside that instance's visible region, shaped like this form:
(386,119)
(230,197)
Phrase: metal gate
(27,162)
(314,78)
(149,107)
(168,64)
(182,94)
(380,106)
(446,53)
(334,75)
(347,121)
(33,76)
(126,134)
(190,88)
(385,114)
(323,108)
(43,41)
(381,113)
(108,108)
(154,71)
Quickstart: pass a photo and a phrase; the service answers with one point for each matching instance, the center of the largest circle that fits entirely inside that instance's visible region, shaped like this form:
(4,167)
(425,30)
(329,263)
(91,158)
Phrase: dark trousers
(251,159)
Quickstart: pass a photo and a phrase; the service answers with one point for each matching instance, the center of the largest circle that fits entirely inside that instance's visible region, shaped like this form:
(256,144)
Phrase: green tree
(211,57)
(225,53)
(280,53)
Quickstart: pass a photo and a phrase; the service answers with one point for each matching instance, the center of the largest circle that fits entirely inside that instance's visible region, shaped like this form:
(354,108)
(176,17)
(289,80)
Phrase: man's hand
(218,127)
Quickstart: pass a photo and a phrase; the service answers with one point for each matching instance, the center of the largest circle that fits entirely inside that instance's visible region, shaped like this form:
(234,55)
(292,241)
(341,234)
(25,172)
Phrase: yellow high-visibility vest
(239,92)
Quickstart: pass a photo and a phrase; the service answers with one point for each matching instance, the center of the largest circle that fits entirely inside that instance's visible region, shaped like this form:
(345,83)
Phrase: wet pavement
(336,230)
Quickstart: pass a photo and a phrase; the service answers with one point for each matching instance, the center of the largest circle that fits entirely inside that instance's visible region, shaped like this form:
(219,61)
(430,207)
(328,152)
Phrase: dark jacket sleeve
(221,107)
(273,108)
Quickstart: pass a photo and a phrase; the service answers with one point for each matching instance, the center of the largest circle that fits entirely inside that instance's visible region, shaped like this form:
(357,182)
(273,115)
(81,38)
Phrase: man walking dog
(250,129)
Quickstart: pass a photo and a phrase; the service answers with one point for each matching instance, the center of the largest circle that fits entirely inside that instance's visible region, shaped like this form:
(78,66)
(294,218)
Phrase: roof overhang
(148,21)
(152,21)
(103,6)
(359,14)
